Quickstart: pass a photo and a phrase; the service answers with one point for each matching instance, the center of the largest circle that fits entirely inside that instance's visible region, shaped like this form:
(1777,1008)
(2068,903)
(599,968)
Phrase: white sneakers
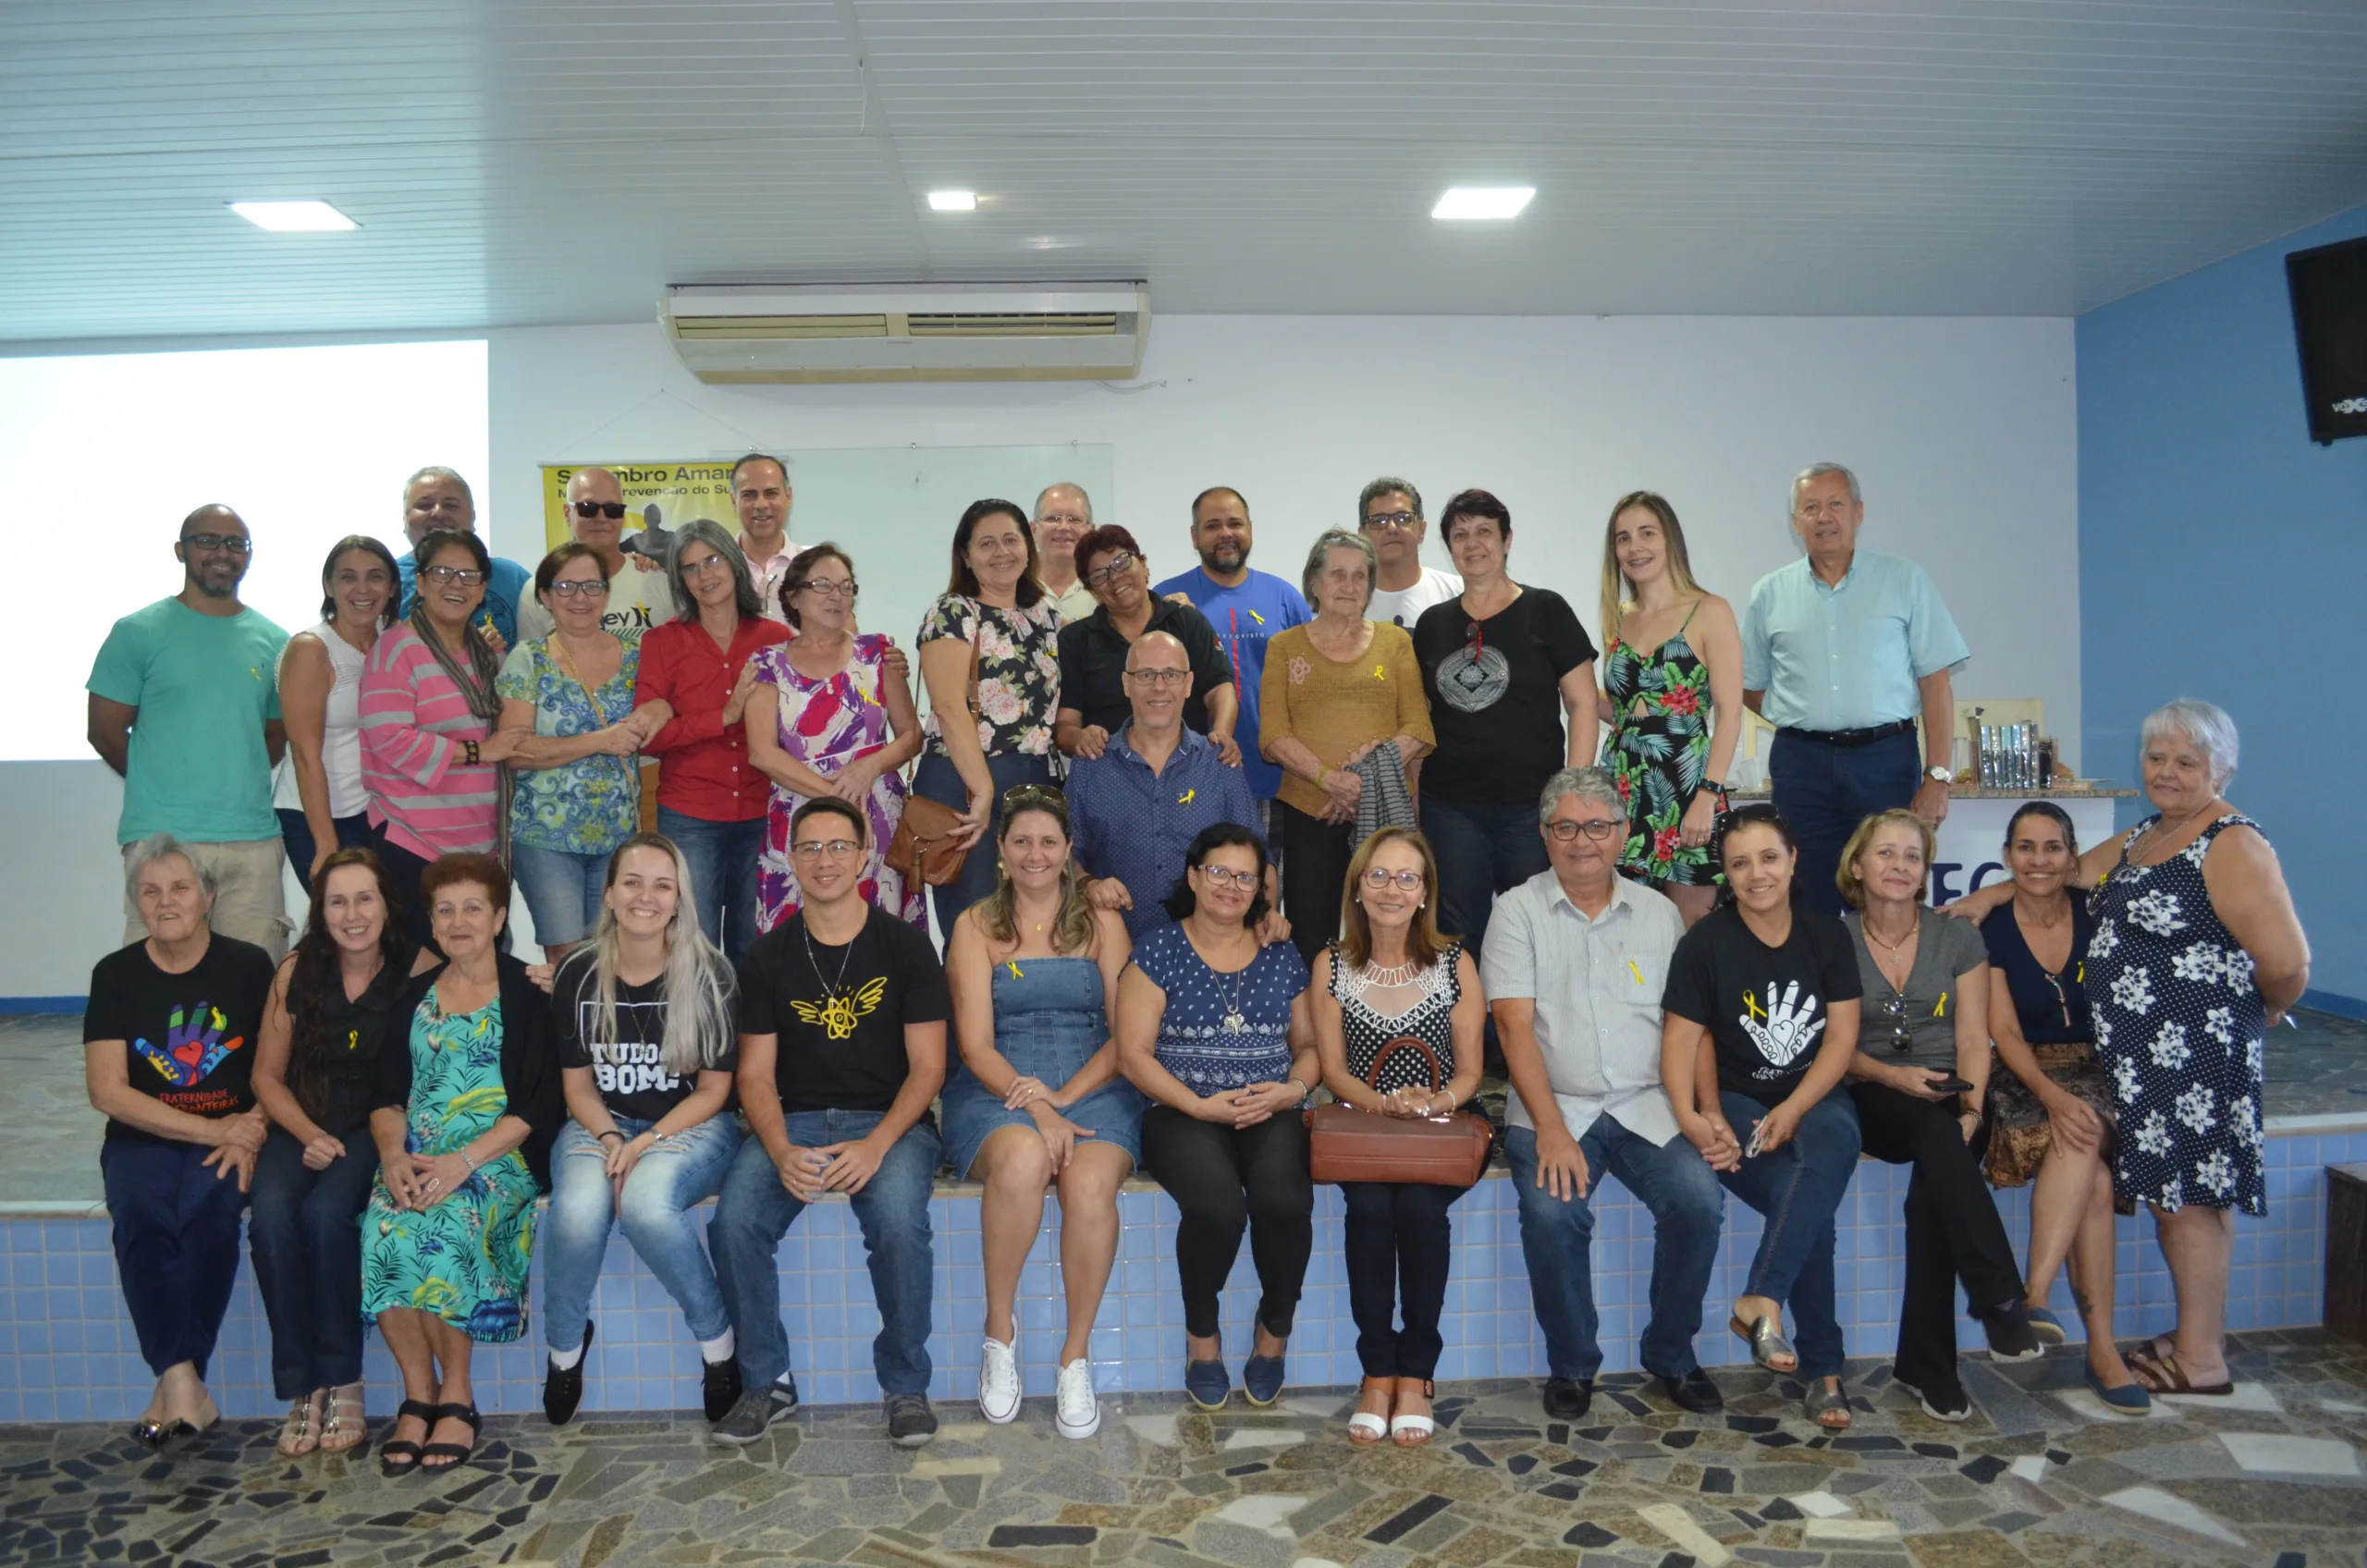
(1078,1413)
(998,1384)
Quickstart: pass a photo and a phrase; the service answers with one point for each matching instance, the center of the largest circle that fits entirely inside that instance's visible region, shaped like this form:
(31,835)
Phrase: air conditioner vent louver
(920,332)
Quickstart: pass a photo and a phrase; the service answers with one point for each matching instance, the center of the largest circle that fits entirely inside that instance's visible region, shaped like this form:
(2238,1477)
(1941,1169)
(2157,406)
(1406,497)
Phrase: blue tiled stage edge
(68,1352)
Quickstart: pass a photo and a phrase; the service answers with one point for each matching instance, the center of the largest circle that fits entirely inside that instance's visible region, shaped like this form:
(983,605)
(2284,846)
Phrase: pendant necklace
(1233,1022)
(829,988)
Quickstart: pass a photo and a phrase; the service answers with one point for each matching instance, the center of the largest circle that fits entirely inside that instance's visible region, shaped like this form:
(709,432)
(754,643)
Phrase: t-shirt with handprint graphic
(1766,1007)
(190,1038)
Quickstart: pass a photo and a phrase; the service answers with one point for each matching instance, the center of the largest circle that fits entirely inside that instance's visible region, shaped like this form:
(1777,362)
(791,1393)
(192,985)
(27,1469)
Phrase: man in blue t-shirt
(1246,607)
(438,498)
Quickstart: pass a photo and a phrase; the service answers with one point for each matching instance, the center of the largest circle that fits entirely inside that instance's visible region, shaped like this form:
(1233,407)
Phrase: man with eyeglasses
(1063,516)
(639,593)
(1390,514)
(761,495)
(1135,807)
(185,706)
(842,1020)
(1094,651)
(438,497)
(1576,957)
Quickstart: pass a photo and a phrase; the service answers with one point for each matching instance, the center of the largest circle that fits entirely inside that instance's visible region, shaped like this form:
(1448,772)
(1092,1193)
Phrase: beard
(1225,557)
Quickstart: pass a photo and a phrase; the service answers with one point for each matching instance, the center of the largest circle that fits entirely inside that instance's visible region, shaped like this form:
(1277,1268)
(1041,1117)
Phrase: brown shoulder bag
(923,850)
(1348,1144)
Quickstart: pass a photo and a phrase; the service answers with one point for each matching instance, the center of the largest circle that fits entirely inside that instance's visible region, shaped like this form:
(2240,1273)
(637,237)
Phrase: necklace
(1233,1022)
(829,988)
(1892,947)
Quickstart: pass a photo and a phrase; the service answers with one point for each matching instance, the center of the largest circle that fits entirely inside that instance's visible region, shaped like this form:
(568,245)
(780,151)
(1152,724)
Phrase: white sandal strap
(1366,1421)
(1411,1424)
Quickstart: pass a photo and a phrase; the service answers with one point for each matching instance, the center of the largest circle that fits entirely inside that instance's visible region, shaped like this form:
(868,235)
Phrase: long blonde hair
(1618,594)
(698,985)
(1073,930)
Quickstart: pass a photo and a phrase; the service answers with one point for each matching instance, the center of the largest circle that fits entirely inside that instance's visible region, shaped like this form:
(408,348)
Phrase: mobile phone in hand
(1952,1085)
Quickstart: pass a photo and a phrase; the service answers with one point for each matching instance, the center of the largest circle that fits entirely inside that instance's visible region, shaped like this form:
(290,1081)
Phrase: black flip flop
(457,1454)
(399,1457)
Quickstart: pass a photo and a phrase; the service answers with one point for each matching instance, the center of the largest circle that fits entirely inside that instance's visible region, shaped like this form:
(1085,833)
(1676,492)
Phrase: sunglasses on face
(235,544)
(1019,795)
(1393,520)
(612,510)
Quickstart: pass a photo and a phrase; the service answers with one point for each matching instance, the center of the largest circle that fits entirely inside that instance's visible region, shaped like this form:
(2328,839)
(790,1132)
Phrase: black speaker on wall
(2329,286)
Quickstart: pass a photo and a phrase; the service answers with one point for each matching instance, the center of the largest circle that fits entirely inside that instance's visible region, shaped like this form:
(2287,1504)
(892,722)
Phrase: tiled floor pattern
(2038,1475)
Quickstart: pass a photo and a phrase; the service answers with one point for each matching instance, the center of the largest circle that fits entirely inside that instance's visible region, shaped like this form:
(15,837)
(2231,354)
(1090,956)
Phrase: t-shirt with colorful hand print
(190,1038)
(1765,1008)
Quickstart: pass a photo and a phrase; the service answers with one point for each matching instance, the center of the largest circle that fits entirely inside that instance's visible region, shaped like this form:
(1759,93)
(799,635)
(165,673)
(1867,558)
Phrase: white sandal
(343,1433)
(1412,1432)
(1364,1429)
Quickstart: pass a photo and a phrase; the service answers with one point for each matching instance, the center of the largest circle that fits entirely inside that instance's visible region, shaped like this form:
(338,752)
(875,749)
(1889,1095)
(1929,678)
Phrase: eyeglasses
(1108,571)
(1019,795)
(700,569)
(237,544)
(1070,519)
(1377,879)
(1159,676)
(1566,831)
(822,588)
(1225,877)
(1393,519)
(837,849)
(612,510)
(466,576)
(1902,1032)
(574,585)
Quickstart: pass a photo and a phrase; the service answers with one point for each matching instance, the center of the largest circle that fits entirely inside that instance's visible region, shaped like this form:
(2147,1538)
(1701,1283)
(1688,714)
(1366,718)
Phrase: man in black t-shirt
(842,1019)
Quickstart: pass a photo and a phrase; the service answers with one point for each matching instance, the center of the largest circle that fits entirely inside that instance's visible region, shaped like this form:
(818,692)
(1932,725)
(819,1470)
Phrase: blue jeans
(723,873)
(1824,791)
(668,1182)
(1798,1188)
(937,780)
(1681,1191)
(1482,850)
(305,1232)
(755,1212)
(295,831)
(562,891)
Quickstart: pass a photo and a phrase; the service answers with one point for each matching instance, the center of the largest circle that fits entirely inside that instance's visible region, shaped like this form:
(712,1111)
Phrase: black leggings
(1398,1246)
(1315,868)
(1226,1178)
(1953,1230)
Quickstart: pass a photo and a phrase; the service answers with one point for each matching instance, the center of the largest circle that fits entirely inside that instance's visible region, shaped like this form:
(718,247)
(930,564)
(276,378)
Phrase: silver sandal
(1766,1341)
(1821,1399)
(344,1433)
(297,1437)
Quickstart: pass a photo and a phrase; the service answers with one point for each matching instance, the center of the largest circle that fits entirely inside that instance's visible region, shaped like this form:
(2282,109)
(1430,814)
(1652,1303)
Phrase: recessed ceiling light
(953,201)
(1483,202)
(294,217)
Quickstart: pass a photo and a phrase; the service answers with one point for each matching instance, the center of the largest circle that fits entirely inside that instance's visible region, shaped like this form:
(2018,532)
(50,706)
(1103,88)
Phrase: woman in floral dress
(1674,658)
(827,715)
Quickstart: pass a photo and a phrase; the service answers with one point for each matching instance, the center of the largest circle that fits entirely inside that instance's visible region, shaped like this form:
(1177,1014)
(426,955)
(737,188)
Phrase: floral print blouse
(588,806)
(1019,672)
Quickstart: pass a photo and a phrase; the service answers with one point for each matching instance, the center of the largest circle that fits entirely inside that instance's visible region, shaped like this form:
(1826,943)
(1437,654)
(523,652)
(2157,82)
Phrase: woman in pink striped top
(431,758)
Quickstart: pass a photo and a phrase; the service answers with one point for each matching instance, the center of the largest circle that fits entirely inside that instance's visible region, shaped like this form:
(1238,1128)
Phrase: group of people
(1227,840)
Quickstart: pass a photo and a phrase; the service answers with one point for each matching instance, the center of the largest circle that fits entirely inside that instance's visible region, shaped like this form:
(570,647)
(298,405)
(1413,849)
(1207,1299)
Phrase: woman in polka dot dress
(2197,953)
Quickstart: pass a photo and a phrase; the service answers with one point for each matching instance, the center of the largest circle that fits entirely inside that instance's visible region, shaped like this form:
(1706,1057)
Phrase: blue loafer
(2047,1327)
(1207,1384)
(2130,1397)
(1261,1379)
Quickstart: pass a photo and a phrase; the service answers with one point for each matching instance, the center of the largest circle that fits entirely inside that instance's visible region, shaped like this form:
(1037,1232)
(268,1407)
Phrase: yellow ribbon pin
(1186,798)
(1016,972)
(2082,976)
(1255,616)
(1750,1004)
(1942,1010)
(1635,971)
(1380,672)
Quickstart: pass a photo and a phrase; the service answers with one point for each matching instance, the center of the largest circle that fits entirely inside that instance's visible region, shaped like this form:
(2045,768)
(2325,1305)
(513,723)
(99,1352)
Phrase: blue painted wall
(2223,555)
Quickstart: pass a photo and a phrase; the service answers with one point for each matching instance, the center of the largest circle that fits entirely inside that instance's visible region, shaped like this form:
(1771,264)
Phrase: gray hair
(1036,516)
(438,471)
(1387,485)
(2206,724)
(1817,471)
(705,532)
(164,846)
(1594,784)
(1333,539)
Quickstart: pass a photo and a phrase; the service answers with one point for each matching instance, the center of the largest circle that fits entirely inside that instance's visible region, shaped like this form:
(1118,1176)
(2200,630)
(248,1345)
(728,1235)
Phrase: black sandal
(454,1454)
(400,1456)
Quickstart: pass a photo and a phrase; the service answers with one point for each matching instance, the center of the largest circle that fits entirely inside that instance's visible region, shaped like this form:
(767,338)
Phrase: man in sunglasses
(438,498)
(640,595)
(185,706)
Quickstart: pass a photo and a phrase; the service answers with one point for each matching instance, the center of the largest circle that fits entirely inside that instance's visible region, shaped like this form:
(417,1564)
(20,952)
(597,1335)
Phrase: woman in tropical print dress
(1674,658)
(465,1116)
(829,715)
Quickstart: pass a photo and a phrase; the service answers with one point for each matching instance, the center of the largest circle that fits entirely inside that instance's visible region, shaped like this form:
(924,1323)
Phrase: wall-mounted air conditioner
(909,332)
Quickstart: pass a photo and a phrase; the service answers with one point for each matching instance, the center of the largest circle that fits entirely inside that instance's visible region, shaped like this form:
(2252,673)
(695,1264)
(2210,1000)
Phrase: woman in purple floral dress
(826,716)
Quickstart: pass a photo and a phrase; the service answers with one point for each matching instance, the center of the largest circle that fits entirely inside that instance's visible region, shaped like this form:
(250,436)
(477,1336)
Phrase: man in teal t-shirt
(185,706)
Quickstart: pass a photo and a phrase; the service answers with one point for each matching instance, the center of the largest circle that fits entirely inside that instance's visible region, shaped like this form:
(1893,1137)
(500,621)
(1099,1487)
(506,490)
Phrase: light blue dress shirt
(1847,657)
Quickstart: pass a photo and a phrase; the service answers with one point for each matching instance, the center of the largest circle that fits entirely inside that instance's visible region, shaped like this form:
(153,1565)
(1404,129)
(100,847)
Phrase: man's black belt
(1849,740)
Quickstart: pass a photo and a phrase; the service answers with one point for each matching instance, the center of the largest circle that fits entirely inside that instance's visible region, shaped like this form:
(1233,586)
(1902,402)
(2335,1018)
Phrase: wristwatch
(1939,776)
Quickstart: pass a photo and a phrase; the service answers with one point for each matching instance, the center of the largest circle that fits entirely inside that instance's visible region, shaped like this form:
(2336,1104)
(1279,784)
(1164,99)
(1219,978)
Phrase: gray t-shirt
(1927,1008)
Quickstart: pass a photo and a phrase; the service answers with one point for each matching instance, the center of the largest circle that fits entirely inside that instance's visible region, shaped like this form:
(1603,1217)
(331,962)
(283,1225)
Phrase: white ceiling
(519,161)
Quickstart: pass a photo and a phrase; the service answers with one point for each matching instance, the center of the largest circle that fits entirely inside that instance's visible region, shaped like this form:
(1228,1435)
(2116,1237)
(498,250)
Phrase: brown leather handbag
(1348,1144)
(922,850)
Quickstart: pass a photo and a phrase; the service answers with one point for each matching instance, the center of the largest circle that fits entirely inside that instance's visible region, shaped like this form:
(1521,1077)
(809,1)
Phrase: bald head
(1158,678)
(213,550)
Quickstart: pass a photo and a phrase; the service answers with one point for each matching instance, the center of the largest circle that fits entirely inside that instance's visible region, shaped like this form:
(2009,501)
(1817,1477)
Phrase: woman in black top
(331,1013)
(1094,704)
(1762,1019)
(168,1053)
(1509,673)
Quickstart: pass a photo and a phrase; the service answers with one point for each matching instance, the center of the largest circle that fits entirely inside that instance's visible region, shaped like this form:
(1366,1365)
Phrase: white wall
(1963,432)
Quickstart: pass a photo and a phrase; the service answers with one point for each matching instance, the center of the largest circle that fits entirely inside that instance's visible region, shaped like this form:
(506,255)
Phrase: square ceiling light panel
(294,217)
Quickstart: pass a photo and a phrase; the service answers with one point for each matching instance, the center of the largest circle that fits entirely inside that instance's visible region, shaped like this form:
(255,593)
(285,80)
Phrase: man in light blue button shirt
(1576,960)
(1841,650)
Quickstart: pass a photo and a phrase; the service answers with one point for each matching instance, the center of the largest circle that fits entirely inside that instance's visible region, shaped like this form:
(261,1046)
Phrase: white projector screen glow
(308,445)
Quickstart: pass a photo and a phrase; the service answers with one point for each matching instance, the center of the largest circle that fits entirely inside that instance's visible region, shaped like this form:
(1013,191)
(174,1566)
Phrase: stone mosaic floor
(2038,1475)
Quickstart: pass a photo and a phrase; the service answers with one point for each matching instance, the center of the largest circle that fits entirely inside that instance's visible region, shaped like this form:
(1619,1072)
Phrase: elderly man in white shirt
(1576,957)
